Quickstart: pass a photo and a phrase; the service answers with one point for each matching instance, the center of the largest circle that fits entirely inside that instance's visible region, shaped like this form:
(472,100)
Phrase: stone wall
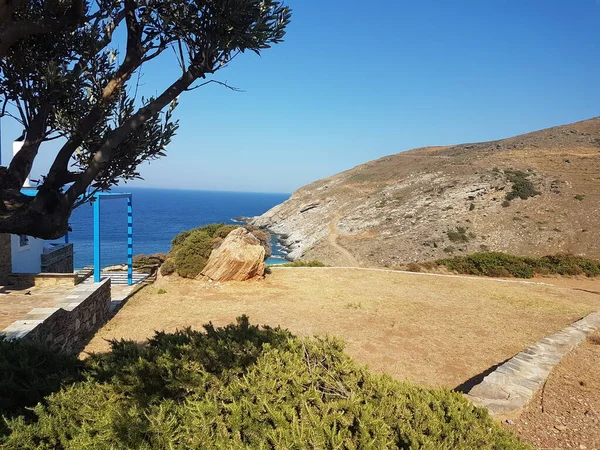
(70,325)
(5,257)
(59,260)
(43,280)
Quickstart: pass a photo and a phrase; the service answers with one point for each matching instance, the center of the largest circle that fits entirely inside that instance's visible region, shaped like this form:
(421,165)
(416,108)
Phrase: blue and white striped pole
(129,240)
(97,239)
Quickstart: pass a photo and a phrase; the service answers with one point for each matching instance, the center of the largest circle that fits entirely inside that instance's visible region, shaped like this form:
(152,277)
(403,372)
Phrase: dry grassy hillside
(437,201)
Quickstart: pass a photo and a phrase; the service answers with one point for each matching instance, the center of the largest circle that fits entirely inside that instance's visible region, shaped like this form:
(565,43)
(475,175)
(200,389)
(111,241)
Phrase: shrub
(192,255)
(191,249)
(471,206)
(429,265)
(522,187)
(413,267)
(143,260)
(299,263)
(246,387)
(580,197)
(178,240)
(148,264)
(223,231)
(490,264)
(168,267)
(159,257)
(505,204)
(29,371)
(495,264)
(594,338)
(459,235)
(565,264)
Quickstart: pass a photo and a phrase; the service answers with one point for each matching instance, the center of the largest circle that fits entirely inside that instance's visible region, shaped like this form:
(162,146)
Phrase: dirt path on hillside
(333,235)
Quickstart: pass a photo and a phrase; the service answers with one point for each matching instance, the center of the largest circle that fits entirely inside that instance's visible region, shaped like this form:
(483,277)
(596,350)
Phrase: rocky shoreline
(281,238)
(291,239)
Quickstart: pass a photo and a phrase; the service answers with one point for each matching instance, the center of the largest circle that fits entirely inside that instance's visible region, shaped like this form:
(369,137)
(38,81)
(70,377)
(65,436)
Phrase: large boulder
(240,257)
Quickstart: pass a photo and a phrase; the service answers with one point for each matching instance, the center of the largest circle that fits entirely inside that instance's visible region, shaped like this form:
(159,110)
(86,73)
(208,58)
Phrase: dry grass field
(431,330)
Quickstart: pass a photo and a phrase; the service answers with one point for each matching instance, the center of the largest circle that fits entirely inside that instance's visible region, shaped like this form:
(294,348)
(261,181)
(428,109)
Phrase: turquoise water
(158,216)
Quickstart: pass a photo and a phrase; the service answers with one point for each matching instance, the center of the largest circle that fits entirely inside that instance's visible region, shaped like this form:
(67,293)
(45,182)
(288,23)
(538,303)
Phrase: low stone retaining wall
(27,280)
(69,325)
(506,390)
(59,260)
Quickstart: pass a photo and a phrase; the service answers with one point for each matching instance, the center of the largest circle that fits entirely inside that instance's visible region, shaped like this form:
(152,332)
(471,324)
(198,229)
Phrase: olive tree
(71,84)
(14,26)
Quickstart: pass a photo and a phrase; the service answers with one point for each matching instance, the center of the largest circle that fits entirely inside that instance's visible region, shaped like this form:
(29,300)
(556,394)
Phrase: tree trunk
(45,216)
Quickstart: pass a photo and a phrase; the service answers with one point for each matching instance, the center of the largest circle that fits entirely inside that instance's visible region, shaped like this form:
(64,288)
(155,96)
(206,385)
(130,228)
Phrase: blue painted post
(129,241)
(97,239)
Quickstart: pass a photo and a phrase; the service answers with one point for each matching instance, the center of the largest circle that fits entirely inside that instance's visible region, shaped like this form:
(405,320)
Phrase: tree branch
(17,30)
(105,153)
(221,83)
(22,162)
(132,61)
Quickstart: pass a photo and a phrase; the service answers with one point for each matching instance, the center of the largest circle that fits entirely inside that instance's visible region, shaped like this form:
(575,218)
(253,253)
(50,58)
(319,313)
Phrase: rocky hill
(534,194)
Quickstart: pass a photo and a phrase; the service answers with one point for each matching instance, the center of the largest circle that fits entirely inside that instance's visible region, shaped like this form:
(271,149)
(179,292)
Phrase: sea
(158,216)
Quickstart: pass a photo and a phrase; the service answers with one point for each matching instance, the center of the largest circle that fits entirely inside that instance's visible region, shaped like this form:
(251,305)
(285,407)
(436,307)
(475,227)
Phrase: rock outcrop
(434,202)
(240,257)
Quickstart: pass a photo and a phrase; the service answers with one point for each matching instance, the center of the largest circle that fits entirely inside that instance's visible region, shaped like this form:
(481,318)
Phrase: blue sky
(358,80)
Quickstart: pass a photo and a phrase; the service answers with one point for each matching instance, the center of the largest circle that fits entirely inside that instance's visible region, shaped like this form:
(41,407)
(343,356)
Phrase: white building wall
(26,258)
(17,145)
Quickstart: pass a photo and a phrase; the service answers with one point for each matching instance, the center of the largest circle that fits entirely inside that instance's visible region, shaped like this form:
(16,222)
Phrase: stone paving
(66,300)
(15,304)
(22,307)
(508,388)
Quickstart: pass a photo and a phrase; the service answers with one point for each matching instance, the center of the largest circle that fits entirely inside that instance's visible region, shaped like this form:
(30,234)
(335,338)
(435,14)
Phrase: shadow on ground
(474,381)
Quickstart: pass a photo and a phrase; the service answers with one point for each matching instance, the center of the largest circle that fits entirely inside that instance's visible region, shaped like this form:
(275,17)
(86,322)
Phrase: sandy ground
(436,331)
(566,413)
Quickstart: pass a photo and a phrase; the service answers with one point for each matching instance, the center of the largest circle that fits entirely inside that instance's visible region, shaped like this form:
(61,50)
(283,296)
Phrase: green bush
(565,264)
(144,260)
(178,240)
(214,230)
(495,264)
(191,249)
(521,186)
(299,263)
(192,255)
(246,387)
(168,267)
(490,264)
(459,235)
(223,231)
(29,371)
(148,263)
